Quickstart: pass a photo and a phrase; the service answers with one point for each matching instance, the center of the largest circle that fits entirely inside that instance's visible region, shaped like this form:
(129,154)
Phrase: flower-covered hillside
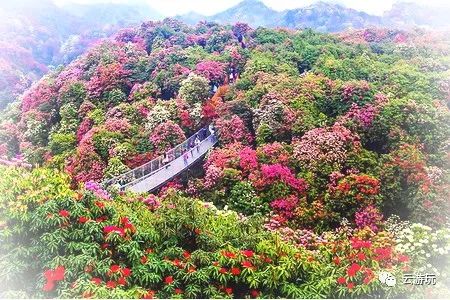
(57,242)
(325,145)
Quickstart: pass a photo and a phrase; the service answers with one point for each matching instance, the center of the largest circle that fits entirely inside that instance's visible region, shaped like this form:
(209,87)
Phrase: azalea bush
(325,148)
(167,135)
(240,179)
(233,130)
(194,89)
(92,244)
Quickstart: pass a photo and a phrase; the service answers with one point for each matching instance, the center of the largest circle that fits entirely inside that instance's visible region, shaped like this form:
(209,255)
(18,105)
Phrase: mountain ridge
(325,16)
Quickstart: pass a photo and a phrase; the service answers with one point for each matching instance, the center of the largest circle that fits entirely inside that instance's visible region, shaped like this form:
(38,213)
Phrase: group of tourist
(193,142)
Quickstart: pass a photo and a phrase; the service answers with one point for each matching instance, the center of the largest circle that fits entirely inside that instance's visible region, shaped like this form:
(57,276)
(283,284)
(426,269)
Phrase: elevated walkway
(154,174)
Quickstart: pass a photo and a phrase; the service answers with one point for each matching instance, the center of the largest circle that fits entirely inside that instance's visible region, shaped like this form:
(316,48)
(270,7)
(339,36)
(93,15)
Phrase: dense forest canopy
(332,166)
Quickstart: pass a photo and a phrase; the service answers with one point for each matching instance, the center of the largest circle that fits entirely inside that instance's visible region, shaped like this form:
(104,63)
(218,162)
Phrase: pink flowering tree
(357,92)
(274,153)
(273,120)
(321,147)
(85,165)
(118,125)
(107,78)
(167,135)
(240,30)
(232,130)
(236,171)
(214,71)
(362,117)
(40,95)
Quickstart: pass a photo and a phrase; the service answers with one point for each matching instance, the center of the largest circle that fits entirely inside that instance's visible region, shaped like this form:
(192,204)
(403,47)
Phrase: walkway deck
(155,173)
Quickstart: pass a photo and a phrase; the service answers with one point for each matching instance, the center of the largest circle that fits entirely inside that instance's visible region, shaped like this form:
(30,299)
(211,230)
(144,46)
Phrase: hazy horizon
(176,7)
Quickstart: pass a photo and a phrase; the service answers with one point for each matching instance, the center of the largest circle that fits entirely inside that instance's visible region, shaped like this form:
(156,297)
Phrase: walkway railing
(132,177)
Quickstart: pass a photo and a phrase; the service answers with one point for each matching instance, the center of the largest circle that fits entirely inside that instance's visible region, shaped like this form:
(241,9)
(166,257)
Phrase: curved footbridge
(155,173)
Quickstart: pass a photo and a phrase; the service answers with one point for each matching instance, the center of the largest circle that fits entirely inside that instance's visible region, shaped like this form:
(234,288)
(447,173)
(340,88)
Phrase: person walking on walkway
(212,131)
(185,158)
(203,133)
(191,145)
(165,160)
(197,143)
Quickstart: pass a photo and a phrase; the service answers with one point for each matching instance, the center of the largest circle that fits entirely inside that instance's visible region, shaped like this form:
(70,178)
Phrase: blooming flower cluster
(285,206)
(118,125)
(97,190)
(125,227)
(368,216)
(363,116)
(325,145)
(274,117)
(420,241)
(40,94)
(248,160)
(152,202)
(106,78)
(167,135)
(232,130)
(272,173)
(274,153)
(214,71)
(52,276)
(117,276)
(357,91)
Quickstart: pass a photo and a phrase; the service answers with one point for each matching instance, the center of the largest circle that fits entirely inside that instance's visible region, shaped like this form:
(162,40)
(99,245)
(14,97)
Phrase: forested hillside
(332,166)
(36,35)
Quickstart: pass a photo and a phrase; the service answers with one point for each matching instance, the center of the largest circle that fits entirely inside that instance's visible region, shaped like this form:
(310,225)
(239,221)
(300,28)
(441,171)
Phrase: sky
(210,7)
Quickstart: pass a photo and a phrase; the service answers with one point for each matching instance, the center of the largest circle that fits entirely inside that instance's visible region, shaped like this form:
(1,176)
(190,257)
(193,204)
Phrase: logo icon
(387,278)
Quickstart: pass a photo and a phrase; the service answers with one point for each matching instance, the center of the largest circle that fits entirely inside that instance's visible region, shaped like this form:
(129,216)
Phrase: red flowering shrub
(138,160)
(272,173)
(53,276)
(107,78)
(285,207)
(42,93)
(408,187)
(208,111)
(274,153)
(85,165)
(352,192)
(248,160)
(214,71)
(84,127)
(186,118)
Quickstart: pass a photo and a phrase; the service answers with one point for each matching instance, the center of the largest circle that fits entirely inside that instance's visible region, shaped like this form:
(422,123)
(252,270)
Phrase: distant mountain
(326,17)
(191,18)
(249,11)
